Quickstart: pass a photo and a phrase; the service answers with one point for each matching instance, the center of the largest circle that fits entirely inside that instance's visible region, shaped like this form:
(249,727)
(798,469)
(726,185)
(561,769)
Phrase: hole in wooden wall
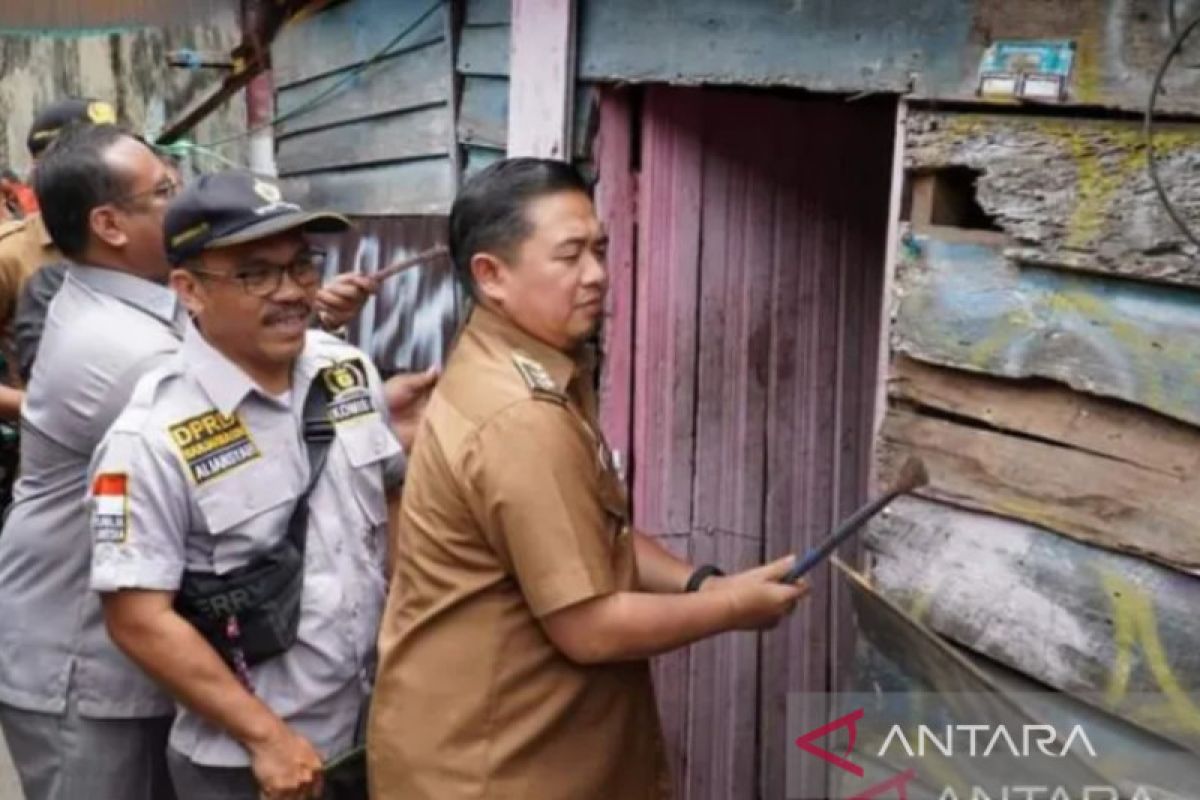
(947,197)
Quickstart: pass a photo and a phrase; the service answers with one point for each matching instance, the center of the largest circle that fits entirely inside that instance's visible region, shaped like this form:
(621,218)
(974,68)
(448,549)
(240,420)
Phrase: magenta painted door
(748,248)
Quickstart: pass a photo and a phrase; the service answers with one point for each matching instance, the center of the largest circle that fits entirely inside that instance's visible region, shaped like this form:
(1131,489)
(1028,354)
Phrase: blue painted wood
(479,157)
(415,187)
(398,83)
(484,50)
(819,44)
(488,12)
(420,133)
(483,112)
(965,305)
(349,34)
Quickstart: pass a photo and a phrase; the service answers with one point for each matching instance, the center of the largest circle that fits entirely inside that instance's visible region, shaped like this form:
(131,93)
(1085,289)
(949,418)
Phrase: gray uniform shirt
(201,472)
(104,329)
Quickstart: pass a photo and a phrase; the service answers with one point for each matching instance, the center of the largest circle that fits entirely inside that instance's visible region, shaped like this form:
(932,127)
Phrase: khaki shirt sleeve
(536,475)
(12,276)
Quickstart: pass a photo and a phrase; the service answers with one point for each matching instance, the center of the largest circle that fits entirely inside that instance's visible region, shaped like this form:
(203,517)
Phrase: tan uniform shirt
(25,246)
(511,511)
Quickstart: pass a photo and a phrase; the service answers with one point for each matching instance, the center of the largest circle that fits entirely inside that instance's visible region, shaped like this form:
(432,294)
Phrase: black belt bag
(253,612)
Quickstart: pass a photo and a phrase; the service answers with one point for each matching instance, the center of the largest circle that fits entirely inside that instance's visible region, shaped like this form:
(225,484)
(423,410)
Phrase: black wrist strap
(700,575)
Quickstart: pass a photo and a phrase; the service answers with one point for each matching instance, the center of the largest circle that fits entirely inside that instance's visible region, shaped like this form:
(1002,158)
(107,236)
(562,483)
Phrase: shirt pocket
(246,512)
(368,446)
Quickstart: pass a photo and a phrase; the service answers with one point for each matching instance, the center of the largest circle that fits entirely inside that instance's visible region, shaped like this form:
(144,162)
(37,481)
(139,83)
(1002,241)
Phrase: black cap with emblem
(235,207)
(56,116)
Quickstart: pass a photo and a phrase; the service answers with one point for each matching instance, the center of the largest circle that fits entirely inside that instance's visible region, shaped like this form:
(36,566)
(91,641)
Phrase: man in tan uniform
(515,644)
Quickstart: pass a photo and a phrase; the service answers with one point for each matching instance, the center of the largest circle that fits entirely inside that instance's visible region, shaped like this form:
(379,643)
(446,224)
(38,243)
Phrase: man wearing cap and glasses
(241,505)
(79,718)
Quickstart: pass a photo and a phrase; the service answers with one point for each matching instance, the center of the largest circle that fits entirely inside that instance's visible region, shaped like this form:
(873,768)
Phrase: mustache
(280,311)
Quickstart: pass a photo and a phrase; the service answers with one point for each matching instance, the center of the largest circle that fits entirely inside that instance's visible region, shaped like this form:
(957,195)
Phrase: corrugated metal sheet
(85,14)
(409,323)
(759,277)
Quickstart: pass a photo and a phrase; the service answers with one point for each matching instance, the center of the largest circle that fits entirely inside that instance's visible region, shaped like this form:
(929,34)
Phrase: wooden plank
(1115,631)
(1092,498)
(664,361)
(950,689)
(488,12)
(484,51)
(966,306)
(412,134)
(542,78)
(736,264)
(483,115)
(349,34)
(1052,412)
(616,202)
(928,49)
(799,444)
(413,187)
(1127,755)
(395,84)
(1102,214)
(476,158)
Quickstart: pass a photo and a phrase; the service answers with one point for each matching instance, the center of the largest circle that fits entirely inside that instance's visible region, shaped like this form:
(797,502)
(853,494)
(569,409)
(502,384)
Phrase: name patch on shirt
(110,508)
(348,391)
(213,444)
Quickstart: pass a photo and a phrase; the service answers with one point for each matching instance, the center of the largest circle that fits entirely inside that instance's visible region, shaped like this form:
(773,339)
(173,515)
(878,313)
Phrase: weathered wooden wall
(93,14)
(126,67)
(929,47)
(1045,369)
(383,144)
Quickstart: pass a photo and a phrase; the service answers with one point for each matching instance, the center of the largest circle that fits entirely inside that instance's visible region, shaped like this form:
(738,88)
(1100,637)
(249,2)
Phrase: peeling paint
(1073,193)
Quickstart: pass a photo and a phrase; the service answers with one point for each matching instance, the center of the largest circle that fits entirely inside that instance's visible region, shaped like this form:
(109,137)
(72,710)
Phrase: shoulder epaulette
(537,379)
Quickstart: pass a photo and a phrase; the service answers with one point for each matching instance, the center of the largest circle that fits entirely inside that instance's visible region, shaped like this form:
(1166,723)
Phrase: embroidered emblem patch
(110,508)
(348,391)
(534,374)
(212,444)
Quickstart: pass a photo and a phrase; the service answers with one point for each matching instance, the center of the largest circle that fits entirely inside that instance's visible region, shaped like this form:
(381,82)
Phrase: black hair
(7,174)
(72,178)
(488,215)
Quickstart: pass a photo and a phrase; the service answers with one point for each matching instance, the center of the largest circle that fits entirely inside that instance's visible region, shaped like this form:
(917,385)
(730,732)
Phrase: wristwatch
(701,574)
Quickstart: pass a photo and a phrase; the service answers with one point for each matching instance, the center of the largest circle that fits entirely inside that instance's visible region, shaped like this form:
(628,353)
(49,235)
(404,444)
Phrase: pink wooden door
(748,233)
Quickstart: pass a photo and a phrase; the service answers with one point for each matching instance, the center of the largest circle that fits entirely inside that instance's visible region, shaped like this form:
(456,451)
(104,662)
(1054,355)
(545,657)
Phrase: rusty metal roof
(93,14)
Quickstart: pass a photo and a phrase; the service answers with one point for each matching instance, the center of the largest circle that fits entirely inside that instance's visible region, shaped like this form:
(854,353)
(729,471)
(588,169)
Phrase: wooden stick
(396,267)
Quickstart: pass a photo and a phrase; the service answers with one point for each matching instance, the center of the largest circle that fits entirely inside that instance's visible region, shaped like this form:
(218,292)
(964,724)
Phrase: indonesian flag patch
(110,507)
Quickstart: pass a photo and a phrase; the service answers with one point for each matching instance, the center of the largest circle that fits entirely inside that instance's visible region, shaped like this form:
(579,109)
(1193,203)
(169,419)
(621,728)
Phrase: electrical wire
(1148,130)
(322,97)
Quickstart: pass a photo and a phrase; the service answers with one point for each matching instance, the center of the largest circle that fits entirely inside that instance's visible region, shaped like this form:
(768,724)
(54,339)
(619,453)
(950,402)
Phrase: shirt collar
(224,382)
(560,366)
(153,298)
(43,235)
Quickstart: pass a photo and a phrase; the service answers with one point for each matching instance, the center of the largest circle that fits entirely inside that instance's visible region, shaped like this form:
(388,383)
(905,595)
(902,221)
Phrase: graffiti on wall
(411,321)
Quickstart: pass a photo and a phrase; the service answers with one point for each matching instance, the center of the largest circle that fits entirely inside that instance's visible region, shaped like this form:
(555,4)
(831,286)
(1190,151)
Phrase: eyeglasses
(262,278)
(164,190)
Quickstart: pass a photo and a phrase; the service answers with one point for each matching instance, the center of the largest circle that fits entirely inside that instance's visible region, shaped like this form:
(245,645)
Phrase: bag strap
(318,436)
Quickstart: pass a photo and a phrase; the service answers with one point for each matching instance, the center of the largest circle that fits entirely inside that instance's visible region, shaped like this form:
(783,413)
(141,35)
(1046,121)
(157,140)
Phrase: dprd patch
(212,444)
(348,390)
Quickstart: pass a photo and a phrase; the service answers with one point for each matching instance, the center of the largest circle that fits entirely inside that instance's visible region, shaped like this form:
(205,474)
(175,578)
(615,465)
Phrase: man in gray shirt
(201,475)
(80,719)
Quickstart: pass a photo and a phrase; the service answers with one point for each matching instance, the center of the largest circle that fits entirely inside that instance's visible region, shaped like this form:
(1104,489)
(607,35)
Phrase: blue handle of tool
(844,531)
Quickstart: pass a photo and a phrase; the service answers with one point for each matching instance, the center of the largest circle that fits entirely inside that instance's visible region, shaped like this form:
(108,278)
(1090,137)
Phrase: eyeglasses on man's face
(164,190)
(262,278)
